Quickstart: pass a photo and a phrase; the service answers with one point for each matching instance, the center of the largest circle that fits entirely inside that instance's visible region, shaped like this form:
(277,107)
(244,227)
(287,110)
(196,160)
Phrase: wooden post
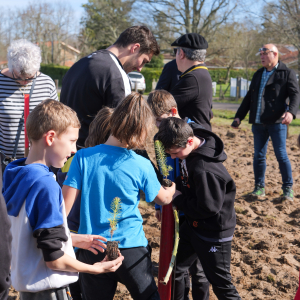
(220,93)
(56,84)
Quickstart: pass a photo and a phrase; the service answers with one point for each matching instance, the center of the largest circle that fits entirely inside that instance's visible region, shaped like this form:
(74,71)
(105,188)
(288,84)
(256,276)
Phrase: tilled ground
(266,244)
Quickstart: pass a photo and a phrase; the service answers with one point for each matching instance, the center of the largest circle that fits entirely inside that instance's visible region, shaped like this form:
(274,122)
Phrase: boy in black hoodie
(206,194)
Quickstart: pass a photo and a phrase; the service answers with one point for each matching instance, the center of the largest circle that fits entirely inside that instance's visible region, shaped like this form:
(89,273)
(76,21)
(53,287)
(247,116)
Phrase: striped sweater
(12,106)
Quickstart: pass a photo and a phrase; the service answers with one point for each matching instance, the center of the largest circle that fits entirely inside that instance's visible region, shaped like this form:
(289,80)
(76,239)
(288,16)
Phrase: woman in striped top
(24,60)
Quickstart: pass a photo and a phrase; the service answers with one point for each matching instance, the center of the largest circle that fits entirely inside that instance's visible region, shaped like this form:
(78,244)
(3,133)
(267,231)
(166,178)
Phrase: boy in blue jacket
(43,260)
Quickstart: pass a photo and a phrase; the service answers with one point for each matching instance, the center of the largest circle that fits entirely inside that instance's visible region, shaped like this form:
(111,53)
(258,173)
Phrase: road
(228,106)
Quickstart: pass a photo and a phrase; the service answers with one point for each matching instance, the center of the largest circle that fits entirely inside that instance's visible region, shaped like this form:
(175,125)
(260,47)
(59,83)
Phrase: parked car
(137,81)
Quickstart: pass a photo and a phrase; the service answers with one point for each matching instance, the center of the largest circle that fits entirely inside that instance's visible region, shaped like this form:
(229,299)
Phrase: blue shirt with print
(104,172)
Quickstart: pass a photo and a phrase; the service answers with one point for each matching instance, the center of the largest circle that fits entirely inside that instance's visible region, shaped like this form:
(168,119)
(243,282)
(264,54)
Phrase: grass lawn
(225,118)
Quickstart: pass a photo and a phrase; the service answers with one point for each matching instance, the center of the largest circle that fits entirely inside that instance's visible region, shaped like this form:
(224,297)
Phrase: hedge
(217,75)
(54,71)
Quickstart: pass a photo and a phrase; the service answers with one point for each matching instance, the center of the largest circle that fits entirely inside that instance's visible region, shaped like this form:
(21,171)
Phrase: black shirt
(193,94)
(95,81)
(169,76)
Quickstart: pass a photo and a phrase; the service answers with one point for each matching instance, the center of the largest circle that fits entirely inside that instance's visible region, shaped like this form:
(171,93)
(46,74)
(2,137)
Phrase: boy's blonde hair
(50,115)
(132,121)
(99,130)
(161,102)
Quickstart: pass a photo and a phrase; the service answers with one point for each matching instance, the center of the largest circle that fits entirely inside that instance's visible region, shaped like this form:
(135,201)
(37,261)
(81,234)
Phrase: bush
(54,71)
(150,74)
(156,62)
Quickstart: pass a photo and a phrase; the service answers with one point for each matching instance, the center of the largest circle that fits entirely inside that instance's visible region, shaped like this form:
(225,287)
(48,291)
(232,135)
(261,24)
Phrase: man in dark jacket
(5,247)
(193,92)
(271,87)
(169,77)
(206,194)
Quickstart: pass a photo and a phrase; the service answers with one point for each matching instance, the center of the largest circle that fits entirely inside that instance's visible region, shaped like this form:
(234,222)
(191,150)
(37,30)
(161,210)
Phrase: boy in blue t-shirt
(111,170)
(43,260)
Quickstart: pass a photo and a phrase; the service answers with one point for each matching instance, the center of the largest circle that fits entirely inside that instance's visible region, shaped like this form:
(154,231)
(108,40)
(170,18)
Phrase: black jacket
(5,247)
(208,191)
(169,76)
(91,83)
(281,85)
(193,95)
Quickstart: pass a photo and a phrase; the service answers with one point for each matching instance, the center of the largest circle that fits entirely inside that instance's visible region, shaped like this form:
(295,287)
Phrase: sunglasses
(175,51)
(263,51)
(22,79)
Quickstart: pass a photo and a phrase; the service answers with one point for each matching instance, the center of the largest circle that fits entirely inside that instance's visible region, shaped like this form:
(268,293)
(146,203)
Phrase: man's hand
(106,266)
(287,118)
(158,215)
(88,242)
(238,121)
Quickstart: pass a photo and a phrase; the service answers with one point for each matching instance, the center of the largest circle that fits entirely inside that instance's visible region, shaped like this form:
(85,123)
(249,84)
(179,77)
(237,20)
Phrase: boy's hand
(88,242)
(177,193)
(158,215)
(171,189)
(106,266)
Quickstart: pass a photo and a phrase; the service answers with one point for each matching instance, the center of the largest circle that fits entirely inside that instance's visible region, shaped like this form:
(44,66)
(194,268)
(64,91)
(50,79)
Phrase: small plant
(271,279)
(116,209)
(112,246)
(162,162)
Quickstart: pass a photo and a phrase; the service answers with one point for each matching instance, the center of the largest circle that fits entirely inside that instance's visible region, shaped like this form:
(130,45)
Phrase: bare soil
(265,250)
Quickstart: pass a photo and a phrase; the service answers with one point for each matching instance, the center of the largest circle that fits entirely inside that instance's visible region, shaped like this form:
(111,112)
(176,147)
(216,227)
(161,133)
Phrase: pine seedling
(115,215)
(162,159)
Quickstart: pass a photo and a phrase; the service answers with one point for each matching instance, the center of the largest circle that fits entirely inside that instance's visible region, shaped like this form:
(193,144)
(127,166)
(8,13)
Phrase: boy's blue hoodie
(36,209)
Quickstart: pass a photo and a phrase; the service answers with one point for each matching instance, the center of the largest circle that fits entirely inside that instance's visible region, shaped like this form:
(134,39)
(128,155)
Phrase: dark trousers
(262,133)
(200,284)
(215,259)
(135,273)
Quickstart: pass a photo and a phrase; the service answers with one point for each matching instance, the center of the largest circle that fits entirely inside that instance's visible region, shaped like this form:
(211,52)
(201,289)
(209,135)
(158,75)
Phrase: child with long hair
(112,170)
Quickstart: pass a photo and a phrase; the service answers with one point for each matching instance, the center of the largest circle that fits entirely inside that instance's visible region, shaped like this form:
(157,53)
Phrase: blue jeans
(278,133)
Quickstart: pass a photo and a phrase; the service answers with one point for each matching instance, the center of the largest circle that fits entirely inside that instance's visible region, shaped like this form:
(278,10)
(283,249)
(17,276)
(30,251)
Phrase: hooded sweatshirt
(36,209)
(208,191)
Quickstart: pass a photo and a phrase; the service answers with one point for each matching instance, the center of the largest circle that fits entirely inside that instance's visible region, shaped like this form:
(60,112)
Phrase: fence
(239,87)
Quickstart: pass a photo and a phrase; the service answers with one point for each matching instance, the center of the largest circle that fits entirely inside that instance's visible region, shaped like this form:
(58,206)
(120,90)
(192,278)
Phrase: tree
(103,22)
(186,16)
(281,20)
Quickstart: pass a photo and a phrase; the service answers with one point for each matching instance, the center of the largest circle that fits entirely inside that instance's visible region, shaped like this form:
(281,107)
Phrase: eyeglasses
(22,79)
(263,51)
(175,50)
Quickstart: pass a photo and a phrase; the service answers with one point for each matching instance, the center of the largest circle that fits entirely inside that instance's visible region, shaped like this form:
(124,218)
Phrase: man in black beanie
(193,92)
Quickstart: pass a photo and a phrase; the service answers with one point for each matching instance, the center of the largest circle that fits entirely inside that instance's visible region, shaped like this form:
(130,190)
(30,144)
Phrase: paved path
(230,106)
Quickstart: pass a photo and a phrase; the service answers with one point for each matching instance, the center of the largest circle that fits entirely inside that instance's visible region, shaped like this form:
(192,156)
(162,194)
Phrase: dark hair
(99,130)
(174,133)
(141,35)
(161,102)
(132,121)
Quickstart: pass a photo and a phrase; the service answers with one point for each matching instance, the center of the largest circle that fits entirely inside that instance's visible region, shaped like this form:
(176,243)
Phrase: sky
(76,4)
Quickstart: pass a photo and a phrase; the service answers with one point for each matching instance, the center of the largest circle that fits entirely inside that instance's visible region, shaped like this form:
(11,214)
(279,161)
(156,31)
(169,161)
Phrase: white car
(137,81)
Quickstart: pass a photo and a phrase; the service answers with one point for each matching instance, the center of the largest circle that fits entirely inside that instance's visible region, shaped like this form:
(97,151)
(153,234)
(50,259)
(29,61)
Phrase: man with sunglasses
(273,100)
(193,92)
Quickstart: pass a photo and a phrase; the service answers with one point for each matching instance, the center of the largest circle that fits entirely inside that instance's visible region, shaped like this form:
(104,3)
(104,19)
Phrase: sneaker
(258,191)
(288,194)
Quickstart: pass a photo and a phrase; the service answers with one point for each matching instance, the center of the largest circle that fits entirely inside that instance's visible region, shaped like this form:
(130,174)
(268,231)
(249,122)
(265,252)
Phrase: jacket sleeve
(245,105)
(293,93)
(5,246)
(210,194)
(49,240)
